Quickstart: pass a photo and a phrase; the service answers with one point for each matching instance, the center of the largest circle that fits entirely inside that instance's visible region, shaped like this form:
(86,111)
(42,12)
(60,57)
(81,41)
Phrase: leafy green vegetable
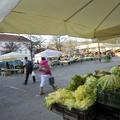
(101,73)
(70,103)
(82,98)
(85,76)
(58,97)
(81,92)
(109,83)
(85,97)
(115,70)
(77,80)
(91,82)
(85,103)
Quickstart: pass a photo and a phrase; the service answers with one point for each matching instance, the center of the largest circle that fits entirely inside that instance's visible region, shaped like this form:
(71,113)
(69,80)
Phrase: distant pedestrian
(46,73)
(7,65)
(29,68)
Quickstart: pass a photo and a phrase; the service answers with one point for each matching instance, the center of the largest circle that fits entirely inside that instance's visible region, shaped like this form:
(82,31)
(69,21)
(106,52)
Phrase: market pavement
(20,102)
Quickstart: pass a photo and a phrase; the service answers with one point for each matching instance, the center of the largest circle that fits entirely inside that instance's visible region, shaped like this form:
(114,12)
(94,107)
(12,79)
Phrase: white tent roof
(13,56)
(91,46)
(83,18)
(49,53)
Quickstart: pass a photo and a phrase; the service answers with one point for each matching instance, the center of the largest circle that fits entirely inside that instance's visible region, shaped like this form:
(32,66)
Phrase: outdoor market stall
(13,56)
(50,55)
(97,19)
(12,63)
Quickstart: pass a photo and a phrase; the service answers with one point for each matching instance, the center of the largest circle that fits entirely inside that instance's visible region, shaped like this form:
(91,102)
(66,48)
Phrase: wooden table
(6,72)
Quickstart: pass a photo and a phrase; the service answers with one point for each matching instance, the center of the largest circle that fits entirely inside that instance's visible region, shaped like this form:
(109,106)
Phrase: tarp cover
(82,18)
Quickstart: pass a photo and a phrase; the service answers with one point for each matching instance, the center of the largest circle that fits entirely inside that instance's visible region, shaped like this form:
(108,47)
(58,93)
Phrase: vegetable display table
(74,114)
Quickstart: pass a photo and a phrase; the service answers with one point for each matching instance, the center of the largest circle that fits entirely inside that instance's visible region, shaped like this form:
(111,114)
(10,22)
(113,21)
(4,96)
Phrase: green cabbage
(115,70)
(109,83)
(91,82)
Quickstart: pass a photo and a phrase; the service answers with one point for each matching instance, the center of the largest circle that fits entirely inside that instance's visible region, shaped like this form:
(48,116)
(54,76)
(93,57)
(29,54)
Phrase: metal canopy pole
(99,52)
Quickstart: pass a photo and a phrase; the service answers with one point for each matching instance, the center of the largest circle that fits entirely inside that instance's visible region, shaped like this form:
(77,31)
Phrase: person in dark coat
(7,65)
(29,68)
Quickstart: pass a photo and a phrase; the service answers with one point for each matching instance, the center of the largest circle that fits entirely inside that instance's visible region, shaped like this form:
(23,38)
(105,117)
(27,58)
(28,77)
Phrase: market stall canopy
(13,56)
(49,53)
(13,38)
(112,41)
(82,18)
(90,46)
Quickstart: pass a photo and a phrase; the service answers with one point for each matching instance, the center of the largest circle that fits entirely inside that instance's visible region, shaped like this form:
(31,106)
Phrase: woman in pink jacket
(45,72)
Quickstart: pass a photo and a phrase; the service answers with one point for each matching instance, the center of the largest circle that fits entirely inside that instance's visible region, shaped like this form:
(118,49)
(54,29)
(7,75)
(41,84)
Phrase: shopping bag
(51,80)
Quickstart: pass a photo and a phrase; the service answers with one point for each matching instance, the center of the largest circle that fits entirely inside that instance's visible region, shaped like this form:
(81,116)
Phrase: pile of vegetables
(81,93)
(59,96)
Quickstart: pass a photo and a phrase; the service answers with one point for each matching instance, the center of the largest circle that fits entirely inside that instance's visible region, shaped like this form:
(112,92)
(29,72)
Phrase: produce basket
(109,98)
(74,114)
(105,112)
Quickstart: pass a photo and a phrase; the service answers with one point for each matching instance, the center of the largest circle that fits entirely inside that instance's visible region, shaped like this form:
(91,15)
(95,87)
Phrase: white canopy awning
(90,46)
(49,53)
(82,18)
(13,56)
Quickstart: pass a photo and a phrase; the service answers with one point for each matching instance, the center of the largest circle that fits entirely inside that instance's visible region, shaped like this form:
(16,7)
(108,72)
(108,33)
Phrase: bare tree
(11,47)
(57,42)
(36,44)
(37,41)
(70,46)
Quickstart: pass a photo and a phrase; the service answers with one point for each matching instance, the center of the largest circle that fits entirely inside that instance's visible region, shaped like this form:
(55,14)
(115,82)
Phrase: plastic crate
(109,98)
(105,112)
(74,114)
(57,108)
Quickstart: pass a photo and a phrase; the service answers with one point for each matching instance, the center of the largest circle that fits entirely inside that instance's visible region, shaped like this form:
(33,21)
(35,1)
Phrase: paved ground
(19,102)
